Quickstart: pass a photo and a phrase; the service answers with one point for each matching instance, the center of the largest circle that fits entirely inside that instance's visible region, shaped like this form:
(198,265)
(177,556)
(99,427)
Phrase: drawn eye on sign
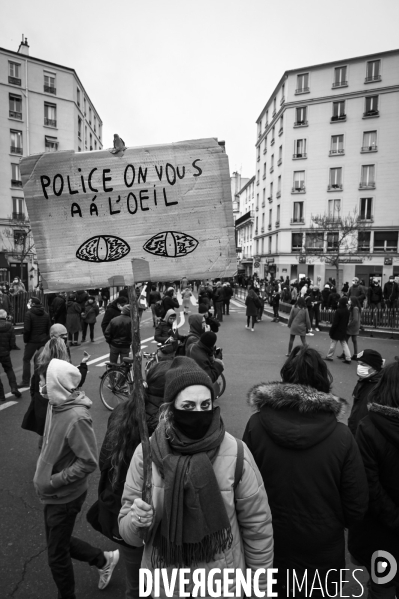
(103,248)
(170,244)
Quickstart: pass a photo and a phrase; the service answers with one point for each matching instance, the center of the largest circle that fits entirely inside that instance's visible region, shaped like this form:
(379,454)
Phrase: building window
(363,241)
(84,105)
(337,144)
(272,163)
(297,215)
(371,106)
(78,96)
(15,106)
(274,106)
(95,124)
(19,236)
(263,198)
(332,242)
(265,148)
(264,170)
(49,83)
(335,181)
(280,153)
(272,139)
(282,94)
(279,186)
(16,142)
(385,241)
(95,144)
(89,115)
(79,149)
(302,83)
(15,176)
(296,242)
(50,114)
(281,125)
(299,181)
(338,111)
(86,137)
(270,244)
(278,216)
(366,208)
(334,209)
(369,141)
(301,116)
(340,77)
(373,71)
(14,73)
(18,209)
(99,131)
(300,148)
(270,217)
(315,241)
(368,176)
(91,141)
(79,127)
(50,143)
(258,153)
(257,201)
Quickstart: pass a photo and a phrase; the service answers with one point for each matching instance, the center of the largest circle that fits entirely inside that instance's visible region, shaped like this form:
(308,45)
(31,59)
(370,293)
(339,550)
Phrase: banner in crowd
(166,209)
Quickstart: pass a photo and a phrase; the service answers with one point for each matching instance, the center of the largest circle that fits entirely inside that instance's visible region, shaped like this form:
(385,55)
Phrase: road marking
(101,365)
(236,303)
(7,405)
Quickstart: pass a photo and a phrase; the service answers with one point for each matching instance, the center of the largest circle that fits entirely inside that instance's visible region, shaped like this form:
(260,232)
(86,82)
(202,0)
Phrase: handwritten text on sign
(92,212)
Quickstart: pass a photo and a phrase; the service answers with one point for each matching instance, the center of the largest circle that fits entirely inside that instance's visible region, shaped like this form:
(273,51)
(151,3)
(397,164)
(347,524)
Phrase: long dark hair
(355,304)
(386,391)
(305,366)
(122,436)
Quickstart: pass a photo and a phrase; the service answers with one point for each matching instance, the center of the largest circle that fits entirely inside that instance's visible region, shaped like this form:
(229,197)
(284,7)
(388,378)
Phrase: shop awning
(3,262)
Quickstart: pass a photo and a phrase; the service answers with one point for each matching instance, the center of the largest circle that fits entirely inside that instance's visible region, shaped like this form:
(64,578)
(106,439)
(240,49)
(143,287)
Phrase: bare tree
(18,240)
(337,239)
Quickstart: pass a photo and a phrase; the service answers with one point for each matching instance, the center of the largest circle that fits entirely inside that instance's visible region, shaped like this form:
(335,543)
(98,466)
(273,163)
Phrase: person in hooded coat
(378,440)
(67,458)
(197,324)
(36,334)
(202,352)
(311,467)
(253,304)
(73,319)
(338,331)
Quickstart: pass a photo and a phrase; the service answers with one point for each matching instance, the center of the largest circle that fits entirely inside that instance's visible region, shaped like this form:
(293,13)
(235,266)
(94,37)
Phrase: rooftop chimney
(24,46)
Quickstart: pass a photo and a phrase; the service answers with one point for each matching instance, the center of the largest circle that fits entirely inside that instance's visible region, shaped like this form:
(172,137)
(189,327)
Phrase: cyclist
(165,330)
(118,335)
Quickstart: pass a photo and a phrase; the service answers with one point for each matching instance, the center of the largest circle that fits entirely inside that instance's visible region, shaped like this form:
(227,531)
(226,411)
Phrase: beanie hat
(184,372)
(35,300)
(121,300)
(372,358)
(62,378)
(57,330)
(209,339)
(202,308)
(126,310)
(156,378)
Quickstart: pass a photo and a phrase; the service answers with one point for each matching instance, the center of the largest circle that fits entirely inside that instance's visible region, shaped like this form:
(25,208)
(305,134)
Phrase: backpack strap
(239,463)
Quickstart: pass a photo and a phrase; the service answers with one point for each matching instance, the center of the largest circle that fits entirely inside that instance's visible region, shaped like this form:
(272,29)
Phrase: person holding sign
(193,522)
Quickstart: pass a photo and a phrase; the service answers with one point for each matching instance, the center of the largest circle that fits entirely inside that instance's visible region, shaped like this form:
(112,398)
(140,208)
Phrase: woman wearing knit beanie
(193,521)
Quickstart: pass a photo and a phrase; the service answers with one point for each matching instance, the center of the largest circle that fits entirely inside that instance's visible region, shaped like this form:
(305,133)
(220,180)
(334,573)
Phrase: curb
(374,333)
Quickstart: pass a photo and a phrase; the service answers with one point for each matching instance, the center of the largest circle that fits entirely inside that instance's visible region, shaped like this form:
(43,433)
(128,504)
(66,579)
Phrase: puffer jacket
(7,337)
(378,440)
(204,358)
(361,394)
(119,330)
(247,508)
(36,325)
(313,473)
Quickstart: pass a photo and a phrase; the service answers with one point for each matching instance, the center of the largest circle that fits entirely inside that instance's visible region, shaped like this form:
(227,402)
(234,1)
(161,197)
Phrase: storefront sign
(165,209)
(270,260)
(238,250)
(388,261)
(351,260)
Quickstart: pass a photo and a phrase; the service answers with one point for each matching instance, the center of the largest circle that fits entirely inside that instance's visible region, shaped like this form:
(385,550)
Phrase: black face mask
(193,424)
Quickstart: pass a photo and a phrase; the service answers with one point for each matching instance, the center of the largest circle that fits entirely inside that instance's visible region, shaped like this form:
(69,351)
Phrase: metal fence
(381,319)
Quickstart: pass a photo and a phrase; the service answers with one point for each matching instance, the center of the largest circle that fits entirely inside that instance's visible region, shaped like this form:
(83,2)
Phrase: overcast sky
(159,71)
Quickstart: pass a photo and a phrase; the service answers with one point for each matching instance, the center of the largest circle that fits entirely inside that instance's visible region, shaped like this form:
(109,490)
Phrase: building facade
(327,145)
(244,224)
(43,108)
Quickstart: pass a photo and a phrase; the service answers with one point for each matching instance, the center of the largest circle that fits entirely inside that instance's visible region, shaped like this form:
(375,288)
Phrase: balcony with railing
(270,199)
(366,149)
(50,122)
(264,176)
(269,227)
(257,208)
(20,216)
(339,118)
(366,219)
(278,194)
(271,169)
(263,204)
(272,142)
(16,183)
(14,81)
(265,151)
(301,124)
(277,223)
(15,115)
(279,162)
(370,114)
(372,78)
(262,229)
(336,152)
(258,158)
(334,186)
(302,90)
(297,221)
(299,188)
(340,84)
(280,131)
(282,100)
(299,156)
(49,89)
(16,150)
(367,185)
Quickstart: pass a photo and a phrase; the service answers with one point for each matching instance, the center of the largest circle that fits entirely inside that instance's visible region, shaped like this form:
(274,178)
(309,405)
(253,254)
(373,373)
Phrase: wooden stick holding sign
(139,398)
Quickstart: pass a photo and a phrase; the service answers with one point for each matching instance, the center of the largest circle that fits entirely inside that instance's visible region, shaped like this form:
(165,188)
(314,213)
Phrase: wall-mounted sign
(351,260)
(168,208)
(302,259)
(269,260)
(388,261)
(256,264)
(238,250)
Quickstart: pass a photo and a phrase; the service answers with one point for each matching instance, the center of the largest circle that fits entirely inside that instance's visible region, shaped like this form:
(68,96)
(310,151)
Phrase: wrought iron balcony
(302,90)
(371,113)
(49,89)
(297,221)
(279,161)
(367,185)
(280,131)
(257,208)
(301,124)
(338,118)
(269,227)
(16,182)
(272,142)
(271,169)
(336,152)
(369,149)
(16,150)
(372,78)
(340,84)
(50,122)
(270,198)
(302,155)
(278,194)
(18,216)
(299,188)
(15,115)
(277,224)
(14,81)
(334,186)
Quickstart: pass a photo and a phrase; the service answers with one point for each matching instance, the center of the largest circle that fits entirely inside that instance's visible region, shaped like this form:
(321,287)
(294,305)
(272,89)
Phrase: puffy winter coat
(357,291)
(169,303)
(73,320)
(162,329)
(252,303)
(361,394)
(36,325)
(313,474)
(247,508)
(378,440)
(90,313)
(299,321)
(119,331)
(111,312)
(339,324)
(353,327)
(204,358)
(7,337)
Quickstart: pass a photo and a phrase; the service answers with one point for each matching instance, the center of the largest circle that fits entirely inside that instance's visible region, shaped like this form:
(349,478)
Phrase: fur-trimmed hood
(386,420)
(295,415)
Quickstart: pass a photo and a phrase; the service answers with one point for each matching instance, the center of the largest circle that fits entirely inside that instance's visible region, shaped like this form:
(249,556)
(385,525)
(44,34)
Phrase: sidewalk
(323,326)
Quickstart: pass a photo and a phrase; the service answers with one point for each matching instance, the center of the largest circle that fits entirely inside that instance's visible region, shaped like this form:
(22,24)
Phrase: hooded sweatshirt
(195,331)
(69,450)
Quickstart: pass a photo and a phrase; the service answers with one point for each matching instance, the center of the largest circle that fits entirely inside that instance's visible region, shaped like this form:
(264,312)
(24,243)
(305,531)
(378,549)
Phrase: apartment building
(327,144)
(244,224)
(44,107)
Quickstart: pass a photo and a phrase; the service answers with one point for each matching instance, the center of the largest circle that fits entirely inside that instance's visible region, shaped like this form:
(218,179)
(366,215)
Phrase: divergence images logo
(383,567)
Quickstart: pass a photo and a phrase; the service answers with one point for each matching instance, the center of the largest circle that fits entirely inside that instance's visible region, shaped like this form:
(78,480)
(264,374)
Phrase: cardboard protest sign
(166,207)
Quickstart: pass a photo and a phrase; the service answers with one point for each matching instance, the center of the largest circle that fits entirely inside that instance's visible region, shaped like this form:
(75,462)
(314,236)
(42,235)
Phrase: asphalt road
(249,359)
